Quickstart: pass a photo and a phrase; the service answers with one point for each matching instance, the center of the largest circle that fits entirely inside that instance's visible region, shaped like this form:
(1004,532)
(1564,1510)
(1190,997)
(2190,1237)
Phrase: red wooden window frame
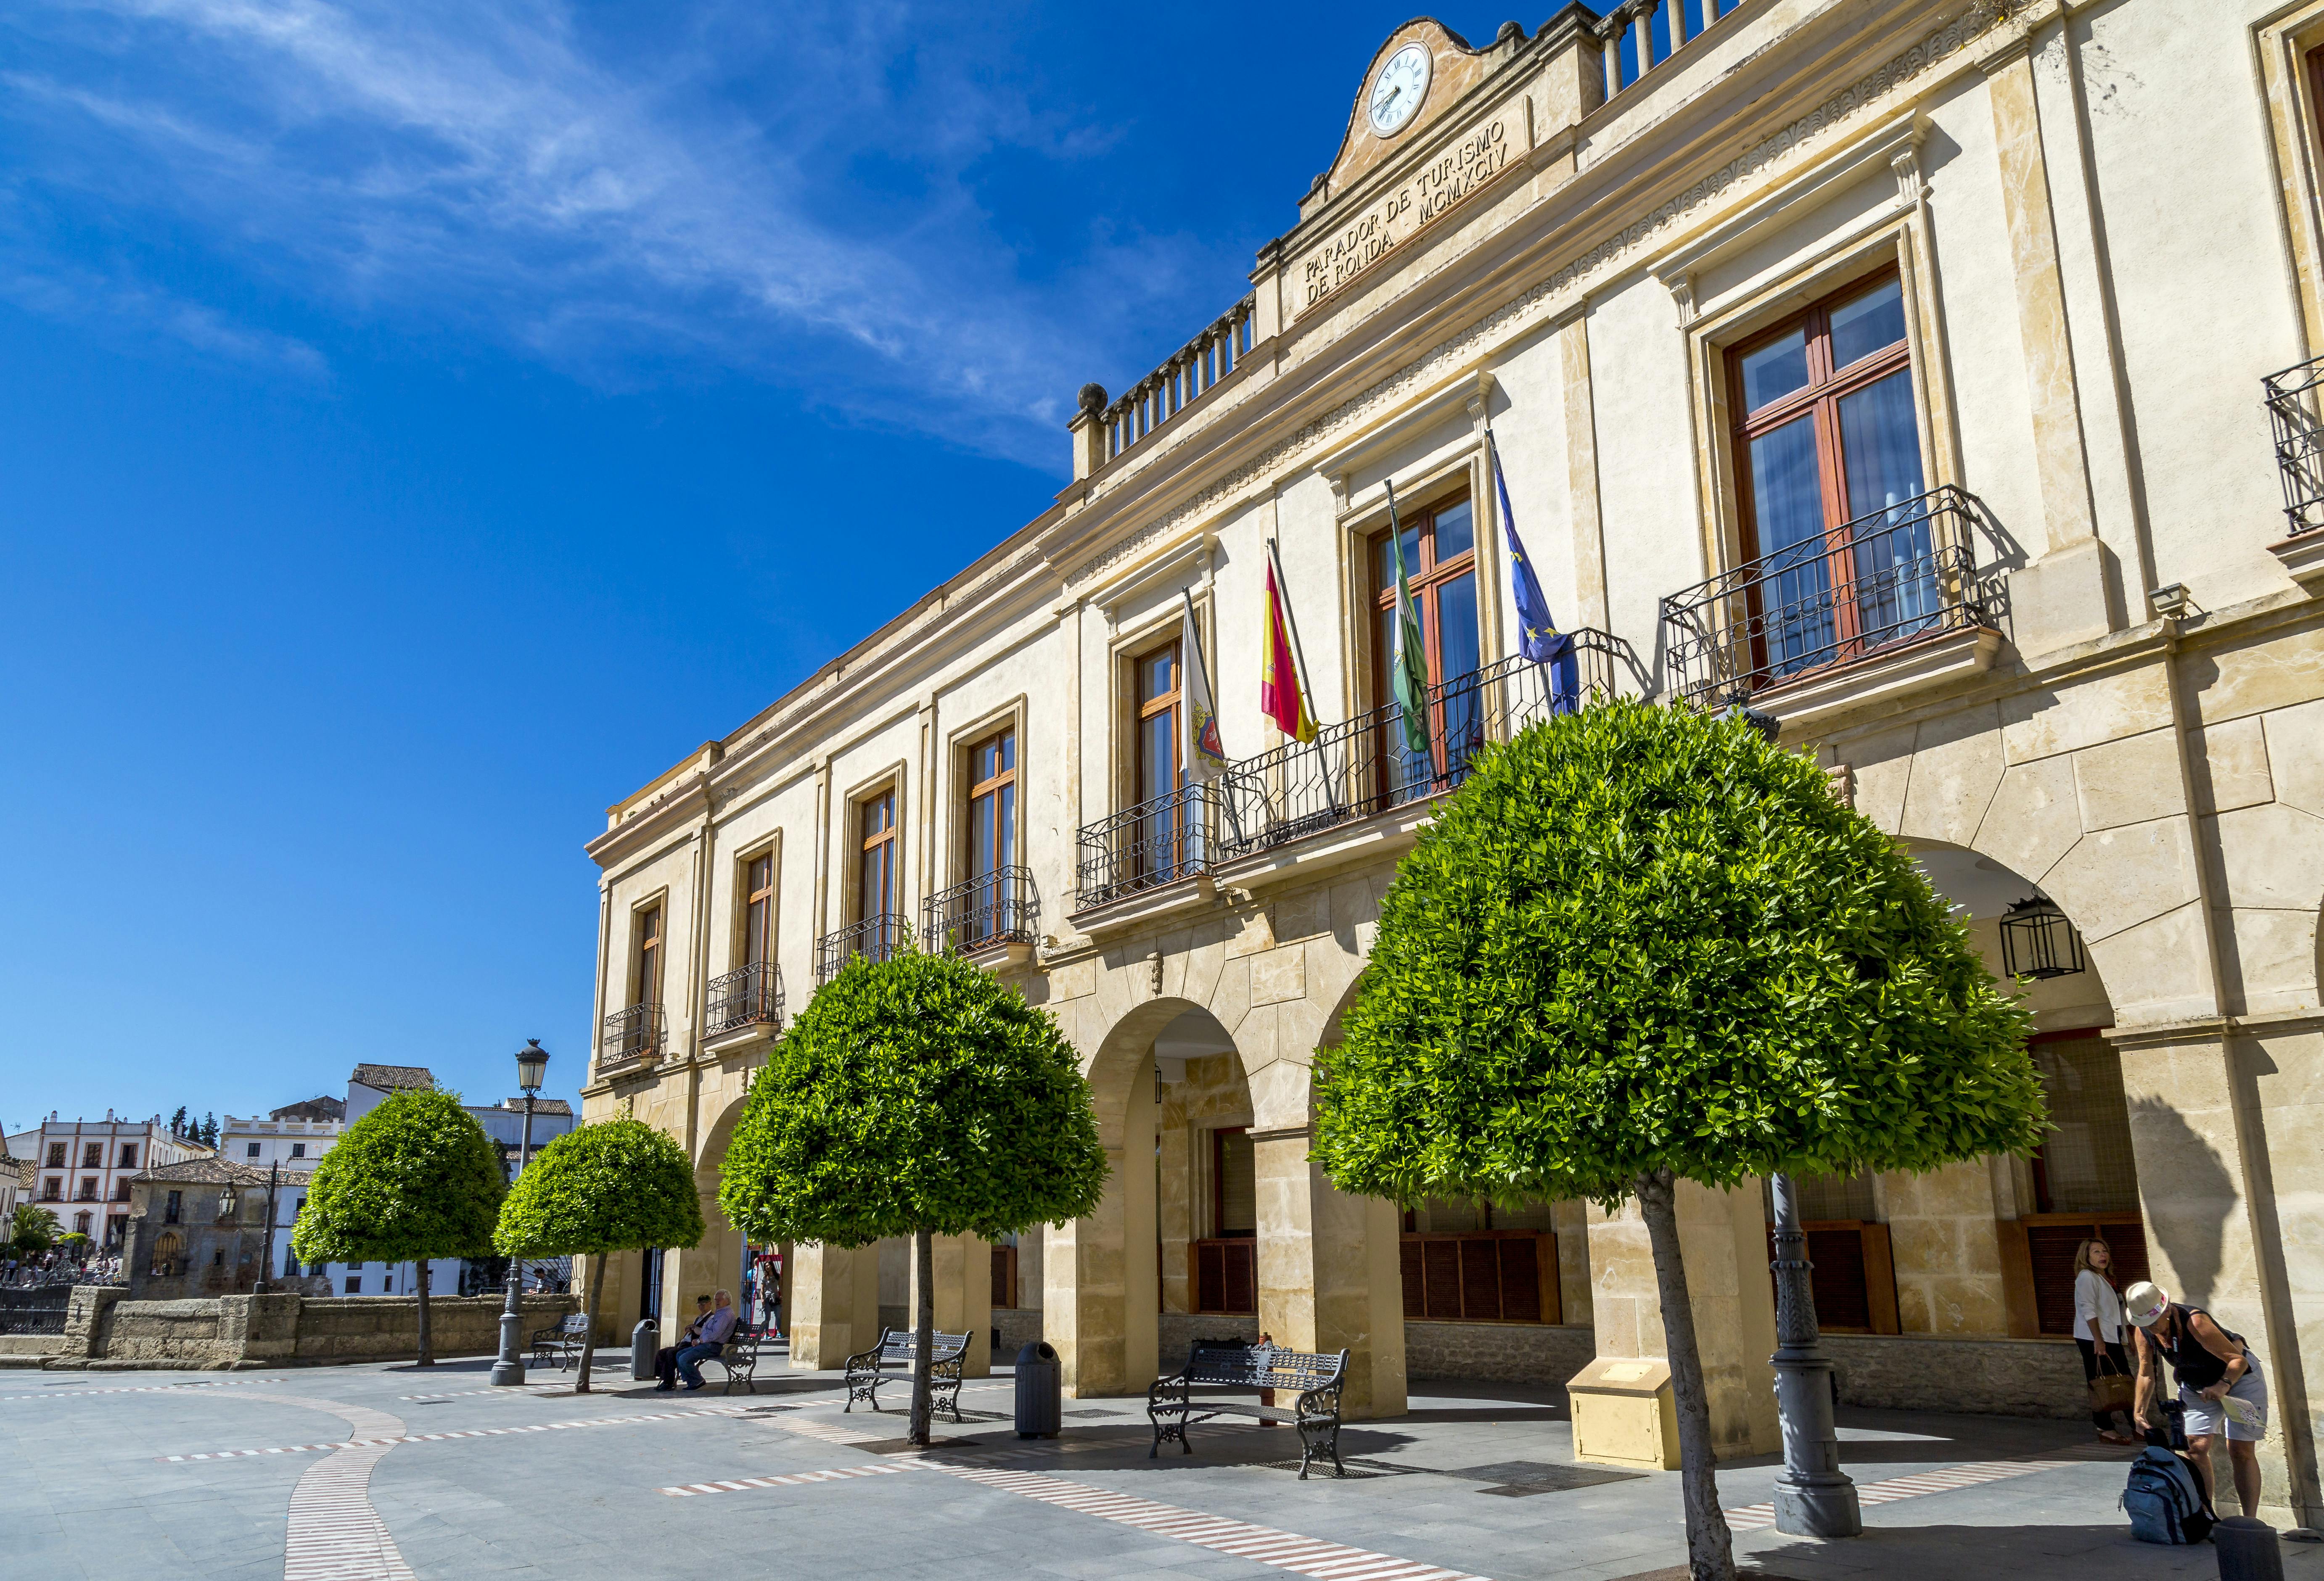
(648,956)
(759,909)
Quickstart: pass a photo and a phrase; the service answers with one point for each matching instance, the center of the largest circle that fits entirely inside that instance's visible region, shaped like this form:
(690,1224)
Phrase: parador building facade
(1934,376)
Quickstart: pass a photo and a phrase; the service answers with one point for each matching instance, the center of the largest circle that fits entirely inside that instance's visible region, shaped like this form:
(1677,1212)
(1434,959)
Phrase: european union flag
(1540,641)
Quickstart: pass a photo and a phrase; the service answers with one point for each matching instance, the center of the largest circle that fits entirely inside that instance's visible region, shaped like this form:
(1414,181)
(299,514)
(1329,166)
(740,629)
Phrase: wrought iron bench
(559,1343)
(741,1359)
(893,1357)
(1231,1366)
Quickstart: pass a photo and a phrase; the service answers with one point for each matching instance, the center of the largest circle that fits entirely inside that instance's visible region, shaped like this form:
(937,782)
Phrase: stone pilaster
(834,1304)
(1328,1277)
(963,1297)
(1723,1236)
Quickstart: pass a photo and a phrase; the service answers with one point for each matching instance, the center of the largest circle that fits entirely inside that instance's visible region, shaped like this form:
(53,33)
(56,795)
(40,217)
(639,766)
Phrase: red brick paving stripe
(1974,1474)
(142,1389)
(796,1479)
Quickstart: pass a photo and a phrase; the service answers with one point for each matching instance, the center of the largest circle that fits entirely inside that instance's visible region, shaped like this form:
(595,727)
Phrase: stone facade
(1502,1353)
(2098,678)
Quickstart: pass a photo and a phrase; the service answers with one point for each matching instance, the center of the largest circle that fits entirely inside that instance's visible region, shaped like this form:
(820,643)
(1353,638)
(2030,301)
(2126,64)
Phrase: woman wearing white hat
(2219,1383)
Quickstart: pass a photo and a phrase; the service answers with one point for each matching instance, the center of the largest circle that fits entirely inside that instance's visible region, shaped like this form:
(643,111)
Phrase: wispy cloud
(794,193)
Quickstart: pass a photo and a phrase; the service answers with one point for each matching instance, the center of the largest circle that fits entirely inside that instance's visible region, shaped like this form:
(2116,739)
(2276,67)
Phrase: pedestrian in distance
(2220,1384)
(2098,1332)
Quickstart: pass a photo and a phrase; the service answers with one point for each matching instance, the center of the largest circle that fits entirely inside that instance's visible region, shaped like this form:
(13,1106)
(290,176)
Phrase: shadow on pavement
(1946,1553)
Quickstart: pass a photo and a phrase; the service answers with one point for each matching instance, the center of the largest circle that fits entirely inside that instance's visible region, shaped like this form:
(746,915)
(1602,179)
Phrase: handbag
(2112,1390)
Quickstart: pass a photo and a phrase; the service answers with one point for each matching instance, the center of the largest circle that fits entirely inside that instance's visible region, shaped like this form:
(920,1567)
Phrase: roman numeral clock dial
(1399,87)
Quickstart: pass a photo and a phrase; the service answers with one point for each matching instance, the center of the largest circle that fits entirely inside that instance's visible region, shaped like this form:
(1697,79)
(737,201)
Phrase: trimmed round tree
(917,1096)
(1642,945)
(415,1179)
(615,1186)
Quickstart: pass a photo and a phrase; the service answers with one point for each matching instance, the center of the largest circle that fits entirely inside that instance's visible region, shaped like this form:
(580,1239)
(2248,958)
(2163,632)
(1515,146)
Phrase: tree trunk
(589,1340)
(1710,1546)
(427,1349)
(924,1323)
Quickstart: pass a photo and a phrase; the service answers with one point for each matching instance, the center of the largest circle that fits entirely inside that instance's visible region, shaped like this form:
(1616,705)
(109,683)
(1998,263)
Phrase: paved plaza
(383,1470)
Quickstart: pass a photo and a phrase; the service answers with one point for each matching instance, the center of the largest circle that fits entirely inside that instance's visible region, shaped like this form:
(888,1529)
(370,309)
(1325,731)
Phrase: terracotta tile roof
(216,1171)
(392,1078)
(540,1105)
(325,1107)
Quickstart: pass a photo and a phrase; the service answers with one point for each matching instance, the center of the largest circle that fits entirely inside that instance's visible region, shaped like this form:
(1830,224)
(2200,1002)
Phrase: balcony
(1158,841)
(2295,410)
(1188,374)
(632,1035)
(752,996)
(1366,764)
(1641,34)
(875,938)
(1351,771)
(1894,577)
(994,908)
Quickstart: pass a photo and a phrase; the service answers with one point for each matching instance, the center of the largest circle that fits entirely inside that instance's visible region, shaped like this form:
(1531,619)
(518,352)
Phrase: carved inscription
(1436,187)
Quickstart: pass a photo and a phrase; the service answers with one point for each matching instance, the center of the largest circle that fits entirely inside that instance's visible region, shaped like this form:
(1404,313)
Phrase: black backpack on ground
(2164,1496)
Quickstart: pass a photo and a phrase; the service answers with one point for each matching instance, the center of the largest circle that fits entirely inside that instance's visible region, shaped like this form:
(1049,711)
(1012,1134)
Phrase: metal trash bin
(2248,1551)
(1040,1392)
(645,1340)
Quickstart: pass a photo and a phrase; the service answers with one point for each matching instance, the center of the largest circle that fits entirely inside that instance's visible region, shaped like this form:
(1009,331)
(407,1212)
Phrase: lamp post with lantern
(531,1070)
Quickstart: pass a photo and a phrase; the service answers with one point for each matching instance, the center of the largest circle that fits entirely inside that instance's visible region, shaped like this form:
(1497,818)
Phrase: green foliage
(602,1187)
(915,1093)
(1642,939)
(416,1178)
(34,1228)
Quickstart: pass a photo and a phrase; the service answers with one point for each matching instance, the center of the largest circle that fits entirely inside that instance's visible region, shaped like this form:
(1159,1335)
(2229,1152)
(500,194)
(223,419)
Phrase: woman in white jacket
(2097,1325)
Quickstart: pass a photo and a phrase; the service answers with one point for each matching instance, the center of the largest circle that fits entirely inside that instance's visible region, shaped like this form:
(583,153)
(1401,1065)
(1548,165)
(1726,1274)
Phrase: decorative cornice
(1867,90)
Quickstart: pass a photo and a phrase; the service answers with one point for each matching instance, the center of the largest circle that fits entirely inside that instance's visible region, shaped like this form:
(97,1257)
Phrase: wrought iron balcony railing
(1895,575)
(633,1035)
(1157,841)
(2295,410)
(876,938)
(1350,770)
(998,907)
(1367,764)
(749,997)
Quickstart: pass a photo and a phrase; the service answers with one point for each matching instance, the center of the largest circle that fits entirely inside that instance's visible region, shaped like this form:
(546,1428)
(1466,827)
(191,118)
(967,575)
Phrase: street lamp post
(531,1068)
(1814,1497)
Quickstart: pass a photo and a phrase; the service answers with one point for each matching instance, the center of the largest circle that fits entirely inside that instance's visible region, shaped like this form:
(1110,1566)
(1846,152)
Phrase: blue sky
(422,423)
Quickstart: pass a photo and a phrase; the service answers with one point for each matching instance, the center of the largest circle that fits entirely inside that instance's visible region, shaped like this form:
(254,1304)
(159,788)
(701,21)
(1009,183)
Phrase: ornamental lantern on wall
(2038,942)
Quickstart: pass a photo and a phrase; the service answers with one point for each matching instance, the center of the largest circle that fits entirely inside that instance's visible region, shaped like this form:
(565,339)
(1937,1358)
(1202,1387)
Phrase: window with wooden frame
(92,1156)
(1470,1261)
(988,907)
(1167,840)
(876,873)
(1440,562)
(645,956)
(1225,1263)
(1828,449)
(757,934)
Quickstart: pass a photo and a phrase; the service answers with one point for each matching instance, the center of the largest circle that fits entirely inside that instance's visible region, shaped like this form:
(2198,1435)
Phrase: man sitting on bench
(705,1339)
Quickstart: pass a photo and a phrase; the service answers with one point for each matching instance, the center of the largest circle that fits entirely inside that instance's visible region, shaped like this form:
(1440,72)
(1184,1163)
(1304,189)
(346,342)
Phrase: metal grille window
(2086,1165)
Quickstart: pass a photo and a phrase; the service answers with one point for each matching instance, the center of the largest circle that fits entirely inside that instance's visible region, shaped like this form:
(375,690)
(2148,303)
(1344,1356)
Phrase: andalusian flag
(1409,674)
(1204,755)
(1281,697)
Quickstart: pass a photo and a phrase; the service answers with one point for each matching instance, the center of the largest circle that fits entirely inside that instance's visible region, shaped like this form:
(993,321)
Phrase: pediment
(1453,70)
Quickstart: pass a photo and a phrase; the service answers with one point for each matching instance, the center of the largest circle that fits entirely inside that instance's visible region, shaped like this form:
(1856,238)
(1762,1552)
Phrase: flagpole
(1195,635)
(1300,670)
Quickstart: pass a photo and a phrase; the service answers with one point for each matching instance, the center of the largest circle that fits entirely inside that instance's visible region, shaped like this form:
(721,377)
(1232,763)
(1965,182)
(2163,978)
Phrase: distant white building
(81,1169)
(298,1136)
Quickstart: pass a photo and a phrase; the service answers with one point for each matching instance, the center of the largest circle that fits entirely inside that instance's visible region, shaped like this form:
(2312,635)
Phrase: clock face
(1399,89)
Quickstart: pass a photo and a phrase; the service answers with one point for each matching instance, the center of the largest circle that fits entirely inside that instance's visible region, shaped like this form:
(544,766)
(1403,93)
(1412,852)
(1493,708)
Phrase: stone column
(2225,1190)
(835,1304)
(1723,1236)
(963,1297)
(1942,1235)
(1083,1300)
(1328,1276)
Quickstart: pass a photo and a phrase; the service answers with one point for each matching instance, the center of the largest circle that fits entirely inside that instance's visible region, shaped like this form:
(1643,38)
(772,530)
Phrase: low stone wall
(1497,1352)
(103,1331)
(1985,1377)
(1176,1333)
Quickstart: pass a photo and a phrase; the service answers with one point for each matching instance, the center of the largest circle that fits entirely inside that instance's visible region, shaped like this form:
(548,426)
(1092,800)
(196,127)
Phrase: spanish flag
(1281,697)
